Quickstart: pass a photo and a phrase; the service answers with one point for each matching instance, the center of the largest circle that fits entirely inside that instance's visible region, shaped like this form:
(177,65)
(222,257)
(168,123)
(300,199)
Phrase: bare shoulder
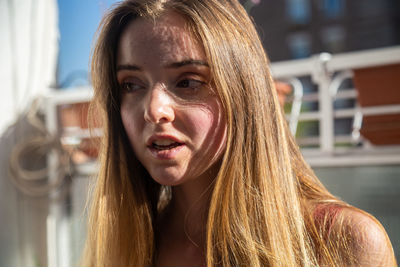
(368,240)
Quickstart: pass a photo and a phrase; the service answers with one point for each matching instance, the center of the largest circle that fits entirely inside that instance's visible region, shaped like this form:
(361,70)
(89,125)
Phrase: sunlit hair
(264,197)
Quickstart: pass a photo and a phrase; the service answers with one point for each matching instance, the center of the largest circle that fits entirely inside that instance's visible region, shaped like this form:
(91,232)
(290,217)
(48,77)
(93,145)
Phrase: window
(299,44)
(299,11)
(333,39)
(332,8)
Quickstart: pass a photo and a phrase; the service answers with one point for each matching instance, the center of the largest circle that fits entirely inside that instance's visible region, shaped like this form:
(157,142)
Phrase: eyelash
(196,85)
(127,87)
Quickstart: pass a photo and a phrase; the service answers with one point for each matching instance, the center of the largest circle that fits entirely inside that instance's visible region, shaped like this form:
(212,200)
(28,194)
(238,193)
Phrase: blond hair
(261,210)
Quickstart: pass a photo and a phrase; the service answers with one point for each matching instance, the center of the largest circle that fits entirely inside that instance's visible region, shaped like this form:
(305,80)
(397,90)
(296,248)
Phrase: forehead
(165,39)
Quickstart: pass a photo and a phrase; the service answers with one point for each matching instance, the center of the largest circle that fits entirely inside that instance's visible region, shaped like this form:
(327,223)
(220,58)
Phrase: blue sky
(78,21)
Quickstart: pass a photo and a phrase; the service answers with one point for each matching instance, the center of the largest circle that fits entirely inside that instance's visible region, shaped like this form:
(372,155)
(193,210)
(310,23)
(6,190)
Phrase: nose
(159,106)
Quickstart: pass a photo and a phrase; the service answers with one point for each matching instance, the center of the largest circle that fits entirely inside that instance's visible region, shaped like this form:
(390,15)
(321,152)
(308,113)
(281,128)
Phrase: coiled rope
(37,182)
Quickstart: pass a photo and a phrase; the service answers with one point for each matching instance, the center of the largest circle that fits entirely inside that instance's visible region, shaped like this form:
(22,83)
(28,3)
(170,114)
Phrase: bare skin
(181,239)
(369,242)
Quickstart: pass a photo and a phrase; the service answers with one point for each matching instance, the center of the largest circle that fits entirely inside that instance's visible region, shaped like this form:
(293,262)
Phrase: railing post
(58,229)
(322,77)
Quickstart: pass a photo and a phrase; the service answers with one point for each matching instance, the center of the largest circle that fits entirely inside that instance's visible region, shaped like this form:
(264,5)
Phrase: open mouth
(165,145)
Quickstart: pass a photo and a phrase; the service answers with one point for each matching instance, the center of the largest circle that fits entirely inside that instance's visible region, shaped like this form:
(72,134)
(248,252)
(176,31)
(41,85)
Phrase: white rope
(36,182)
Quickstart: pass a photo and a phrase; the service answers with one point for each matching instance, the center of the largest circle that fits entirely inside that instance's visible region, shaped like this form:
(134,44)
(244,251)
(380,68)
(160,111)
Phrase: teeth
(163,142)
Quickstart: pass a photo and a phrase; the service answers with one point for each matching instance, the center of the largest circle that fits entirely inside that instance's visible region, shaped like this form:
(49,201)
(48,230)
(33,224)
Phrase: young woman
(198,167)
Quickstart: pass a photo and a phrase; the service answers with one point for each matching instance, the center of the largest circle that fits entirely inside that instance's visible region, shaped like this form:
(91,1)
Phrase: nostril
(159,106)
(159,113)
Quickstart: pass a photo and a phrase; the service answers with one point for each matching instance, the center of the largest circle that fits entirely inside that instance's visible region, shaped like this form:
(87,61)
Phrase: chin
(168,179)
(168,182)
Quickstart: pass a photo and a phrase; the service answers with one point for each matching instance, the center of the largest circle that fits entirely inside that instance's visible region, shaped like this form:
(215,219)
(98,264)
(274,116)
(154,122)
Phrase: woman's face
(171,113)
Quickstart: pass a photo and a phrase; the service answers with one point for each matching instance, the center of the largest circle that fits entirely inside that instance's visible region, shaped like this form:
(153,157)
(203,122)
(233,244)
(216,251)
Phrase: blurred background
(339,61)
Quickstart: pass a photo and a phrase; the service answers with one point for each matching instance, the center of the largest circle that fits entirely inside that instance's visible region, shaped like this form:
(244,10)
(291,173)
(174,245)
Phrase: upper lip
(156,137)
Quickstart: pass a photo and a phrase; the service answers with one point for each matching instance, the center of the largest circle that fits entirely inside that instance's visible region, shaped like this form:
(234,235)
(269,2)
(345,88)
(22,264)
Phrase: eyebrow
(128,67)
(187,62)
(171,65)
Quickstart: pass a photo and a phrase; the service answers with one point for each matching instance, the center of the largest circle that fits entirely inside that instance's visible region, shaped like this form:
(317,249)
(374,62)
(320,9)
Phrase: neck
(188,211)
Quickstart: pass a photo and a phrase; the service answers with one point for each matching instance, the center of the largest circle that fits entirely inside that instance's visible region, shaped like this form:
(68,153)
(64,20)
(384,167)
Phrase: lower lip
(167,153)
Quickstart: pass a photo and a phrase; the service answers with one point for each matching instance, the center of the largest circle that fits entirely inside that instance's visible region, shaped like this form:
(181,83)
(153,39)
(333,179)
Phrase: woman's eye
(130,87)
(189,83)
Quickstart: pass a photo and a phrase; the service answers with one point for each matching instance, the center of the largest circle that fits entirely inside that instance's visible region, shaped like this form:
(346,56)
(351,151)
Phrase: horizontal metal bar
(364,59)
(310,97)
(290,68)
(343,94)
(345,113)
(354,156)
(346,94)
(314,140)
(350,161)
(350,112)
(338,62)
(88,168)
(367,111)
(81,133)
(380,110)
(70,96)
(310,116)
(358,151)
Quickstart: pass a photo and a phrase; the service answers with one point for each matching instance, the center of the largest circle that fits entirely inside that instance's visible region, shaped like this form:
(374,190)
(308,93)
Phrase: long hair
(261,209)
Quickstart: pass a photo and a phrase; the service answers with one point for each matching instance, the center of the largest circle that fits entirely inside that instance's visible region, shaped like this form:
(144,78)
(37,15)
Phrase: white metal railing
(337,62)
(321,69)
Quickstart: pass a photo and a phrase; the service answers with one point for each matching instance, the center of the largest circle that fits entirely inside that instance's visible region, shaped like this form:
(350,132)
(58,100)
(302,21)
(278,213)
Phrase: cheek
(208,124)
(203,122)
(131,122)
(197,122)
